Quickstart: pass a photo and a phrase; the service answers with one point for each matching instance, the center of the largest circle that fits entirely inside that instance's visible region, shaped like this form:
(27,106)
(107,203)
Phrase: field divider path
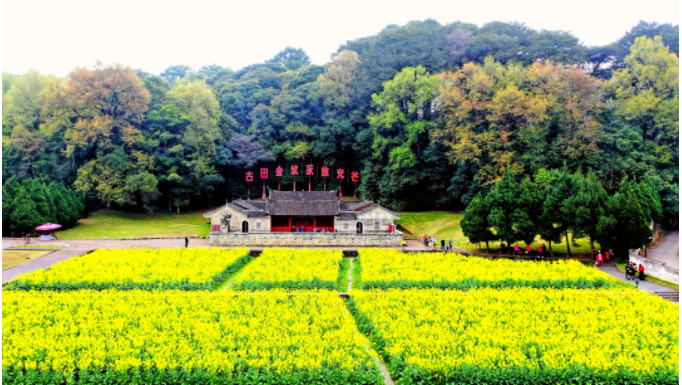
(350,275)
(229,280)
(373,353)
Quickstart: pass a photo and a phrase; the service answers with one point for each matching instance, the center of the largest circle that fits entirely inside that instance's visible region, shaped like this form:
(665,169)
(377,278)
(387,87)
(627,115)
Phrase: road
(668,250)
(39,263)
(644,285)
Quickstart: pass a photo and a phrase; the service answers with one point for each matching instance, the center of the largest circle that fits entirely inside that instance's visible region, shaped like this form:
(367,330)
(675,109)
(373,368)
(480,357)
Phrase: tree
(590,204)
(291,58)
(475,222)
(504,208)
(335,83)
(211,70)
(174,73)
(244,152)
(9,191)
(33,188)
(24,217)
(647,92)
(625,225)
(140,188)
(557,208)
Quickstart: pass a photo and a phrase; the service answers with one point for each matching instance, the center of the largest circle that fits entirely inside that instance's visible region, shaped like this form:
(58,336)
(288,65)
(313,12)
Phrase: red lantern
(309,169)
(325,171)
(294,170)
(264,173)
(249,176)
(339,173)
(278,171)
(354,176)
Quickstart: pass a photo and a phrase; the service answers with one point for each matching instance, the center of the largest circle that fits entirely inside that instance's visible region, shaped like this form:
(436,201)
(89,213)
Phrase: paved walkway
(644,285)
(39,263)
(668,250)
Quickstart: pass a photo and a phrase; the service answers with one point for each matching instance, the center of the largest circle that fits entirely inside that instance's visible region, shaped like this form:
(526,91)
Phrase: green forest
(431,115)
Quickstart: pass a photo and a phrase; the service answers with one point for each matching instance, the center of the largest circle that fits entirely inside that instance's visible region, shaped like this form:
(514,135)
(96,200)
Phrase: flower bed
(291,269)
(180,337)
(385,269)
(522,336)
(148,269)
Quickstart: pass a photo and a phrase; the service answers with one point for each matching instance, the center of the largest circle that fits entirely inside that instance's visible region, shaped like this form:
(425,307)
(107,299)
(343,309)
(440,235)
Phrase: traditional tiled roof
(304,203)
(303,195)
(347,215)
(313,208)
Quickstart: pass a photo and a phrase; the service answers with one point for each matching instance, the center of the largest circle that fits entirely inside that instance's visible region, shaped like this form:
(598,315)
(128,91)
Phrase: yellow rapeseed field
(291,269)
(150,269)
(384,269)
(182,337)
(523,335)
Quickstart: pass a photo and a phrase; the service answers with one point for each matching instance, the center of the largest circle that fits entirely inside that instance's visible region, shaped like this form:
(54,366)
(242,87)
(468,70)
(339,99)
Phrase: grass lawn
(342,281)
(121,224)
(12,258)
(446,225)
(34,246)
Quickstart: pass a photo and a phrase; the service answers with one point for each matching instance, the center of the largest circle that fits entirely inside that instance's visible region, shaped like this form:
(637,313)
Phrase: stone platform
(218,238)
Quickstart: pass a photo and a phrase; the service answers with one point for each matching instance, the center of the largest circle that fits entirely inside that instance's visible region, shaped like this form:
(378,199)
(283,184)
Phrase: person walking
(641,272)
(450,244)
(607,255)
(426,242)
(528,250)
(442,245)
(186,241)
(540,251)
(516,249)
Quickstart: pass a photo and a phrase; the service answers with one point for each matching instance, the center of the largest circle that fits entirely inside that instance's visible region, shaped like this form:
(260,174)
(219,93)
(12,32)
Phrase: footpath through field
(39,263)
(650,287)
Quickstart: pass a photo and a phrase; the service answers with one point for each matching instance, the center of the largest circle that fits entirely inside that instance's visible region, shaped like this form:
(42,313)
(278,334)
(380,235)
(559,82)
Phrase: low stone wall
(305,239)
(657,269)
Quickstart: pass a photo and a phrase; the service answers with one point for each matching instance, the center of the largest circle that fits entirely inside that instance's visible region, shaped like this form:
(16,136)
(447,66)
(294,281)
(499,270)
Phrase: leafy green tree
(590,204)
(34,189)
(174,73)
(557,208)
(291,58)
(475,222)
(24,217)
(544,182)
(625,227)
(9,191)
(504,208)
(140,188)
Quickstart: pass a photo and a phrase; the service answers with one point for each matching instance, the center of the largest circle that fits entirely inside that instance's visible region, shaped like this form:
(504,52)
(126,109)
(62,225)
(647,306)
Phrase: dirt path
(350,275)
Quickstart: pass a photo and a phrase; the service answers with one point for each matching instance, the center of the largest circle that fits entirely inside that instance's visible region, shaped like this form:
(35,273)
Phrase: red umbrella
(48,227)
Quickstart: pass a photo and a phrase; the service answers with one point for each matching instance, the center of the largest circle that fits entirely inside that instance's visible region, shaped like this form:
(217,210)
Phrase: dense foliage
(555,204)
(422,111)
(386,269)
(291,269)
(129,269)
(522,336)
(176,337)
(31,203)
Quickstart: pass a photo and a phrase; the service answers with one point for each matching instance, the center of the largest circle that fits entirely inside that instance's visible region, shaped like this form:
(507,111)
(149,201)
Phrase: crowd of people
(432,243)
(631,271)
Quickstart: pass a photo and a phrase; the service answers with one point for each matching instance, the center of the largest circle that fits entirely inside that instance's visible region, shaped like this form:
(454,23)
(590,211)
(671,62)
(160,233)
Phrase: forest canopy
(431,115)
